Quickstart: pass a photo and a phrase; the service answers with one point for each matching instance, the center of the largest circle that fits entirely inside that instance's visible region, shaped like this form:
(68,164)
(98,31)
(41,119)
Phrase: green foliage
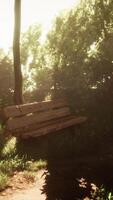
(7,168)
(37,75)
(9,165)
(101,194)
(85,29)
(30,55)
(43,80)
(2,138)
(30,45)
(4,180)
(10,162)
(76,61)
(10,147)
(80,50)
(6,80)
(36,165)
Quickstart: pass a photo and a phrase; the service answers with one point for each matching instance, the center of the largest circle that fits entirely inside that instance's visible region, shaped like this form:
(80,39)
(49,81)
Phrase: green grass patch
(10,162)
(4,181)
(36,165)
(9,148)
(10,165)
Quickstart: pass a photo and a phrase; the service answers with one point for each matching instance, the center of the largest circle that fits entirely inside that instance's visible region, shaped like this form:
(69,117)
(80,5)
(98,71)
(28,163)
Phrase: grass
(10,165)
(11,162)
(29,176)
(4,181)
(9,148)
(36,165)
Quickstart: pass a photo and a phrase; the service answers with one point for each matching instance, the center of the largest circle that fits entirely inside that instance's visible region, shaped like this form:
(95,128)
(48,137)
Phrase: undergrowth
(11,162)
(4,180)
(101,194)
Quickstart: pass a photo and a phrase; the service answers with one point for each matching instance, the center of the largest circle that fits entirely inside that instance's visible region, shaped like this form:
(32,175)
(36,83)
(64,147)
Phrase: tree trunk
(16,54)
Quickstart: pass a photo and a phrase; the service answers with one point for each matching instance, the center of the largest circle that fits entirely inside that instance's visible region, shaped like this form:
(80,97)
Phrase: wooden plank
(27,120)
(54,127)
(42,124)
(19,110)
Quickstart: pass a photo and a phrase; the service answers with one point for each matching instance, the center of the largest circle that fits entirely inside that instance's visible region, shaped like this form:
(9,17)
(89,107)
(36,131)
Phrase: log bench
(39,118)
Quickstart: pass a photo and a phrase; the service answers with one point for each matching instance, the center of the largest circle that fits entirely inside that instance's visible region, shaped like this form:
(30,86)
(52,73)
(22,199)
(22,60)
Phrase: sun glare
(33,11)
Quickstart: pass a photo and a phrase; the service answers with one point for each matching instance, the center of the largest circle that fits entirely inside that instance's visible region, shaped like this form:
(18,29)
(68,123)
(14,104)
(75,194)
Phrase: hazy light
(6,23)
(94,87)
(33,11)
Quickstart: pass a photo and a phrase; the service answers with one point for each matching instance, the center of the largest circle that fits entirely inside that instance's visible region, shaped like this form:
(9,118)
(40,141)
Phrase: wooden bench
(39,118)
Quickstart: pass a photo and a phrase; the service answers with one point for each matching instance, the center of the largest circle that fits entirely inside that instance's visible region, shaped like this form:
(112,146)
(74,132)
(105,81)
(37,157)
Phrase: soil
(21,188)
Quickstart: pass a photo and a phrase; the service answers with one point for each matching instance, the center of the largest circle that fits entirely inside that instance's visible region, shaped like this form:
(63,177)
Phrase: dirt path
(30,191)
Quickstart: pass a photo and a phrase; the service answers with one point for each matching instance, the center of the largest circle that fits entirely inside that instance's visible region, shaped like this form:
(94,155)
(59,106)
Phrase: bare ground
(24,190)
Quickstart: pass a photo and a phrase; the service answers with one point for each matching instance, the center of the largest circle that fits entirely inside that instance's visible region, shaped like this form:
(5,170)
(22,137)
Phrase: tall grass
(11,162)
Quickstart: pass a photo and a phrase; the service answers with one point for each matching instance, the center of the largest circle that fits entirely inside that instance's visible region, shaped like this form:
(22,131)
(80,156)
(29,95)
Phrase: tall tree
(16,53)
(37,75)
(77,45)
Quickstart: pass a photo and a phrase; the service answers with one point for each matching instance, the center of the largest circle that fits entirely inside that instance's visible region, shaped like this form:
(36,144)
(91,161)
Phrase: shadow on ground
(76,163)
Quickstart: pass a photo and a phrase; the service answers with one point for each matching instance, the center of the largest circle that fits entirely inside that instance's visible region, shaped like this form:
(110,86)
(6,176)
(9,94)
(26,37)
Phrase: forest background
(75,62)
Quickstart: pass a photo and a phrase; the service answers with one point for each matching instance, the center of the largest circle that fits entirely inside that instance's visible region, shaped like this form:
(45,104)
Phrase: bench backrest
(27,115)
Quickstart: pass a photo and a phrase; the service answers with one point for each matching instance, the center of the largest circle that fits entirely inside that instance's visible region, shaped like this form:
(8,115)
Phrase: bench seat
(39,118)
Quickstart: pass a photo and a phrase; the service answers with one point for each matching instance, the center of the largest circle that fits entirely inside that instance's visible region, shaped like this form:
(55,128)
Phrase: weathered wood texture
(19,110)
(55,127)
(36,119)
